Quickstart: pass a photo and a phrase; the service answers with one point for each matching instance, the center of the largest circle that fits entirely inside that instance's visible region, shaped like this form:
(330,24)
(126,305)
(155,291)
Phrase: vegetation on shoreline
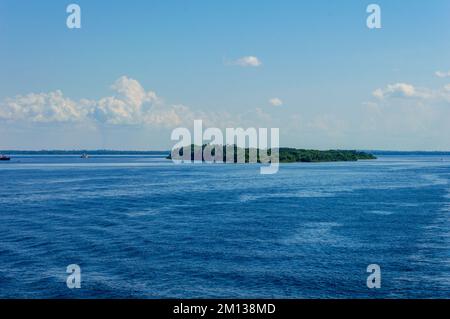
(286,155)
(290,155)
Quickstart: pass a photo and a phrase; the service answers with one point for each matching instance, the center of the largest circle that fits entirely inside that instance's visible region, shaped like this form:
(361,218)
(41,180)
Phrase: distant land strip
(81,152)
(165,152)
(286,155)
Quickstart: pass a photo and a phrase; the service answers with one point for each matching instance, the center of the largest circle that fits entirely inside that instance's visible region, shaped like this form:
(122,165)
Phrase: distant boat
(4,158)
(85,155)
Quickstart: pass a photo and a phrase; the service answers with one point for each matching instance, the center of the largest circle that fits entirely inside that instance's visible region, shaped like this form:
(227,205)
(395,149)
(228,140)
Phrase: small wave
(147,212)
(448,194)
(317,233)
(248,198)
(298,194)
(408,204)
(435,179)
(157,211)
(380,212)
(306,194)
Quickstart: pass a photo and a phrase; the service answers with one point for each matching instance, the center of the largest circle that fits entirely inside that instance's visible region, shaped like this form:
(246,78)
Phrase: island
(286,154)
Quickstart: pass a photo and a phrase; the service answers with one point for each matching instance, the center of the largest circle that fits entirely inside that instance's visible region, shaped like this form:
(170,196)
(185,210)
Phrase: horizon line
(161,151)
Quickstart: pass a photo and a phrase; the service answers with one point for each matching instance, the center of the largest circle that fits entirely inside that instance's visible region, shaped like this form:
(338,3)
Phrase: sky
(136,70)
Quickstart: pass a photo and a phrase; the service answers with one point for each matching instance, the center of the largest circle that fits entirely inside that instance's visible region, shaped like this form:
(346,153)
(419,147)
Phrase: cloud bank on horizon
(398,108)
(131,105)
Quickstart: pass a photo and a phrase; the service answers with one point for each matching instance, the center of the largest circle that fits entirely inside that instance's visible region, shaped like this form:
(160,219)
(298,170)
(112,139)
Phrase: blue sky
(340,84)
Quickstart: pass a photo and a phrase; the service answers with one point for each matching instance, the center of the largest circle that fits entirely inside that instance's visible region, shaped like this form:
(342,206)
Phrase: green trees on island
(291,155)
(286,155)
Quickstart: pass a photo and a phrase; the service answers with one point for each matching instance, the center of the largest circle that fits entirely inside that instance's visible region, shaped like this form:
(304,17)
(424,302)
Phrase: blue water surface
(143,227)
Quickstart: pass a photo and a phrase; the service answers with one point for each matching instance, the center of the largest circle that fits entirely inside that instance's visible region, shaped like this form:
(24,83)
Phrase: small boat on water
(4,157)
(84,155)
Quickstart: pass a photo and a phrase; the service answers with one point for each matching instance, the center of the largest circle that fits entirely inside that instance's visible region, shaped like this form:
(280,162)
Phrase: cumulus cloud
(133,91)
(400,91)
(276,101)
(396,90)
(441,74)
(401,111)
(130,104)
(44,107)
(248,61)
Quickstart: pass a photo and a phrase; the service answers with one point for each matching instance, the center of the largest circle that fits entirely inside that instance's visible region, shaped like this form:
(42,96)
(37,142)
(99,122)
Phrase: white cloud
(43,107)
(133,91)
(408,117)
(441,74)
(401,91)
(396,90)
(131,105)
(276,102)
(404,90)
(246,61)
